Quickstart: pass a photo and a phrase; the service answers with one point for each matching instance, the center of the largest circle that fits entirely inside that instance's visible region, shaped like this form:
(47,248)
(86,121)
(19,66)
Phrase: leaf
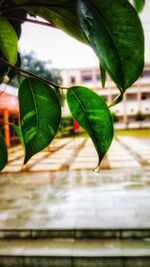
(139,5)
(114,30)
(8,41)
(64,17)
(103,75)
(92,113)
(40,113)
(3,153)
(18,132)
(117,100)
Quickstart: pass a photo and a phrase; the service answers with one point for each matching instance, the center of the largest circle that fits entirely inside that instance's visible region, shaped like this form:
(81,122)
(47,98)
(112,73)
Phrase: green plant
(111,28)
(139,116)
(30,63)
(66,126)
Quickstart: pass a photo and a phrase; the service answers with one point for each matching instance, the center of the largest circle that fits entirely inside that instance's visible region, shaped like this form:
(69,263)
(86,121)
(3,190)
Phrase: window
(144,97)
(131,97)
(146,73)
(72,80)
(86,78)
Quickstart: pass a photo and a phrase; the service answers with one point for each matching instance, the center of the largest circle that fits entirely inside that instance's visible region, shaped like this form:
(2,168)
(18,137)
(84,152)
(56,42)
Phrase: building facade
(136,100)
(135,104)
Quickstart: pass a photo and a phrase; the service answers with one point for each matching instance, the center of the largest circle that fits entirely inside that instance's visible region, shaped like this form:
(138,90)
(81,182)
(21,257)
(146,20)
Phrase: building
(136,100)
(9,112)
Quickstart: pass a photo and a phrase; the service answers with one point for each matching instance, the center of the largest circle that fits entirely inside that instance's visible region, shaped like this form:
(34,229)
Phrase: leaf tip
(26,159)
(97,169)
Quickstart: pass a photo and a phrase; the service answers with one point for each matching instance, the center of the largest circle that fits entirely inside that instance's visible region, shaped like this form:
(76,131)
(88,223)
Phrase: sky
(63,50)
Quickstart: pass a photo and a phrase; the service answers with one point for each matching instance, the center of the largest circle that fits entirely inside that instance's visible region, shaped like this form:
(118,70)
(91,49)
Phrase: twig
(31,21)
(26,73)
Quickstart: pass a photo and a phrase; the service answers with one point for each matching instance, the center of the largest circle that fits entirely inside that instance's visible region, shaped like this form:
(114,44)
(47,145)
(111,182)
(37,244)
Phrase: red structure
(8,112)
(75,126)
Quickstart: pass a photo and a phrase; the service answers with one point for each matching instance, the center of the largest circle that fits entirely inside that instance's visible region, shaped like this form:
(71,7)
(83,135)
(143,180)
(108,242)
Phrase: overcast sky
(66,52)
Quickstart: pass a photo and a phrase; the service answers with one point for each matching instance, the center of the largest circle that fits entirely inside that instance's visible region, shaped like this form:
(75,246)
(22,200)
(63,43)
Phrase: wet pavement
(56,211)
(111,199)
(58,189)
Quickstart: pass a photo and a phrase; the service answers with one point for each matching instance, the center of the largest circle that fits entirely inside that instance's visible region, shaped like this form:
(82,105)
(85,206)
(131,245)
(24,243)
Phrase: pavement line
(52,151)
(74,154)
(16,158)
(134,154)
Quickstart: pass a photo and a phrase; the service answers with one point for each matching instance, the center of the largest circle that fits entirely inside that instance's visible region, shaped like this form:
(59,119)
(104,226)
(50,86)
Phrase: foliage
(139,116)
(39,67)
(66,126)
(139,5)
(138,133)
(30,63)
(40,118)
(111,28)
(3,153)
(93,116)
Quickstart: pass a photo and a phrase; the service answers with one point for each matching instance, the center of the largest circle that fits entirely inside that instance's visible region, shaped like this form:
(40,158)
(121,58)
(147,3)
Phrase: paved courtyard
(56,206)
(112,199)
(78,153)
(58,187)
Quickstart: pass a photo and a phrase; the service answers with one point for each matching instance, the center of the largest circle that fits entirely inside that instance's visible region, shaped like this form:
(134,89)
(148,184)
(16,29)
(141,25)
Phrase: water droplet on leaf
(97,170)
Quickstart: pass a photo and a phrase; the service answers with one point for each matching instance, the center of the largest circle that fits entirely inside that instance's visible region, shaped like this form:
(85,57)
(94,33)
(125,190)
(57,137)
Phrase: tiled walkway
(78,153)
(113,199)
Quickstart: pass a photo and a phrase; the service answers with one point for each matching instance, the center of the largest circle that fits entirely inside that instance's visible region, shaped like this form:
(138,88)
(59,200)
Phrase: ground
(78,153)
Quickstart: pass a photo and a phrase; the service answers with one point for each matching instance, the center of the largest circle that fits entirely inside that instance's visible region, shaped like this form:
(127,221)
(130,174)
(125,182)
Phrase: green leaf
(18,132)
(8,41)
(103,75)
(139,5)
(40,113)
(114,30)
(92,113)
(117,100)
(62,14)
(3,153)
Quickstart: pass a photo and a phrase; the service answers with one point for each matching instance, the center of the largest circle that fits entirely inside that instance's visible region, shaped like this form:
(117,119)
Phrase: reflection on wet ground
(75,199)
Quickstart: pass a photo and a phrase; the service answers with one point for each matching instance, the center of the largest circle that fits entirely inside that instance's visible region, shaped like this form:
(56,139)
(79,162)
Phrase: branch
(31,21)
(26,73)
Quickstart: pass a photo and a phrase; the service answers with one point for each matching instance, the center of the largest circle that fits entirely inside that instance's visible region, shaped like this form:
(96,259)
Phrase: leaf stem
(31,21)
(26,73)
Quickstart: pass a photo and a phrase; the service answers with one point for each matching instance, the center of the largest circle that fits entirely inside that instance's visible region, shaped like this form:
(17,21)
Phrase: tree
(139,116)
(41,68)
(30,63)
(111,28)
